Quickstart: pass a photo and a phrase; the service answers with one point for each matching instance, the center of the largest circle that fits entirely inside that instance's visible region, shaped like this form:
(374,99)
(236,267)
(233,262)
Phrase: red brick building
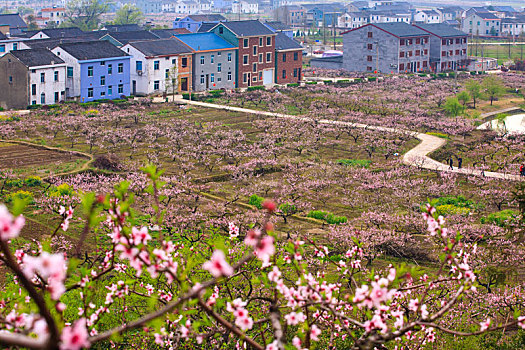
(288,60)
(255,54)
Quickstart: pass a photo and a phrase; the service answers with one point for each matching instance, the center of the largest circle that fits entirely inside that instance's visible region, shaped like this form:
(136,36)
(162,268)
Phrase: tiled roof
(168,33)
(122,27)
(205,41)
(52,43)
(62,32)
(276,25)
(205,27)
(92,50)
(441,30)
(284,42)
(400,29)
(487,15)
(137,35)
(12,20)
(36,57)
(247,28)
(207,18)
(161,47)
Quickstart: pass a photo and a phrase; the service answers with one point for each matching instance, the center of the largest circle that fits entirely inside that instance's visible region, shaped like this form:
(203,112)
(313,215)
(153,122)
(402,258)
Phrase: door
(268,77)
(134,88)
(249,79)
(184,84)
(207,81)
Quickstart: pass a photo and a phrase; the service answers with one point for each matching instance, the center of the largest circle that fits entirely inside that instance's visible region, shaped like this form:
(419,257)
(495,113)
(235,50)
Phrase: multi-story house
(513,26)
(11,44)
(389,17)
(448,47)
(427,17)
(294,14)
(450,13)
(256,51)
(354,19)
(95,70)
(13,23)
(481,24)
(288,60)
(245,6)
(214,63)
(280,27)
(159,66)
(222,5)
(51,16)
(193,22)
(386,48)
(30,77)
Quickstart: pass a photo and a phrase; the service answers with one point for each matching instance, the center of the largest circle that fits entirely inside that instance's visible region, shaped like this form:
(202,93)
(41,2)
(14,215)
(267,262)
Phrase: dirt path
(417,156)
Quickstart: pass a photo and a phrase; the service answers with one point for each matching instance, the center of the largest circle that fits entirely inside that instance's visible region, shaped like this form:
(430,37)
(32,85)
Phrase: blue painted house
(95,70)
(193,22)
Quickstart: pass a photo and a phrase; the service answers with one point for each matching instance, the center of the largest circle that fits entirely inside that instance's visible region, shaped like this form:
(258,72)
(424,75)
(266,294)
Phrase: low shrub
(311,83)
(359,163)
(14,183)
(107,162)
(501,218)
(61,190)
(438,134)
(32,181)
(254,88)
(326,82)
(185,96)
(442,75)
(372,78)
(25,196)
(288,209)
(34,107)
(450,209)
(292,85)
(256,201)
(356,80)
(328,217)
(459,201)
(216,93)
(473,72)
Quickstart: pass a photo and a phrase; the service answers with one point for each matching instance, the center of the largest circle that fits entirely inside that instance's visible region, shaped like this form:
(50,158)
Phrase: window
(56,76)
(102,93)
(295,56)
(402,54)
(219,67)
(202,59)
(156,65)
(295,72)
(2,48)
(255,50)
(269,41)
(245,59)
(212,77)
(370,35)
(268,57)
(167,74)
(156,85)
(120,89)
(10,79)
(229,76)
(369,58)
(202,79)
(33,89)
(229,57)
(260,76)
(15,46)
(418,53)
(90,71)
(418,41)
(173,61)
(369,69)
(103,80)
(424,64)
(255,67)
(284,57)
(244,77)
(444,42)
(219,53)
(120,68)
(212,59)
(184,62)
(70,72)
(42,98)
(57,96)
(284,73)
(103,63)
(110,90)
(254,78)
(110,69)
(90,92)
(409,53)
(260,41)
(221,30)
(245,43)
(261,58)
(138,65)
(425,52)
(443,53)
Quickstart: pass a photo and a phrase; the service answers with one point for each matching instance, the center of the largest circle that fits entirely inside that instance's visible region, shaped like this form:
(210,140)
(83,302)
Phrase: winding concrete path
(417,156)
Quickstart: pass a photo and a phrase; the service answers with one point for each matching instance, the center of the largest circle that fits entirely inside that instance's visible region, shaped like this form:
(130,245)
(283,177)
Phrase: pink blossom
(75,337)
(233,230)
(293,318)
(9,226)
(274,274)
(273,345)
(315,332)
(296,341)
(265,249)
(521,322)
(252,237)
(485,325)
(217,265)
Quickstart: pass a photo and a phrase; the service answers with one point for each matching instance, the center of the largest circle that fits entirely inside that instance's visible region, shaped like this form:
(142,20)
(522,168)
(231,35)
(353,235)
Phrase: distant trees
(493,87)
(128,14)
(84,14)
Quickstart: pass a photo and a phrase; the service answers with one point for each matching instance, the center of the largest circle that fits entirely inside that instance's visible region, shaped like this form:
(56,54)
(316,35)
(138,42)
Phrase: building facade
(95,70)
(513,26)
(481,24)
(214,63)
(255,53)
(288,60)
(448,47)
(159,66)
(386,48)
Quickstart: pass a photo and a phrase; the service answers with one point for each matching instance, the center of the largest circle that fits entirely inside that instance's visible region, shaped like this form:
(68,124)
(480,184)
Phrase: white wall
(49,86)
(72,84)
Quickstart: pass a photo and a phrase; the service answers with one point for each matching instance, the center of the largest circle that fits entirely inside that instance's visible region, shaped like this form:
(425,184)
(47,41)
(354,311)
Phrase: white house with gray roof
(481,24)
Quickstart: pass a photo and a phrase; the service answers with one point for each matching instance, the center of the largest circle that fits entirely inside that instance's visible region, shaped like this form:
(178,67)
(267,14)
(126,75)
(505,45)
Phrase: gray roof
(487,15)
(169,33)
(52,43)
(276,25)
(12,20)
(206,27)
(122,27)
(284,42)
(92,50)
(207,18)
(36,57)
(161,47)
(441,30)
(62,32)
(137,35)
(247,28)
(399,29)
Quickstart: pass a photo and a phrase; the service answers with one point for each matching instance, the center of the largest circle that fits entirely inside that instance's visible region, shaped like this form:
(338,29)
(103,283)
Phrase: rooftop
(13,20)
(137,35)
(169,33)
(161,47)
(247,28)
(206,27)
(399,29)
(277,25)
(487,15)
(284,42)
(205,41)
(92,50)
(122,27)
(207,18)
(440,29)
(36,57)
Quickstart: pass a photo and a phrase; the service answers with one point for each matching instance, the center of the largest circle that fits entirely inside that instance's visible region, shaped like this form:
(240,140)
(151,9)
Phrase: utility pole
(333,27)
